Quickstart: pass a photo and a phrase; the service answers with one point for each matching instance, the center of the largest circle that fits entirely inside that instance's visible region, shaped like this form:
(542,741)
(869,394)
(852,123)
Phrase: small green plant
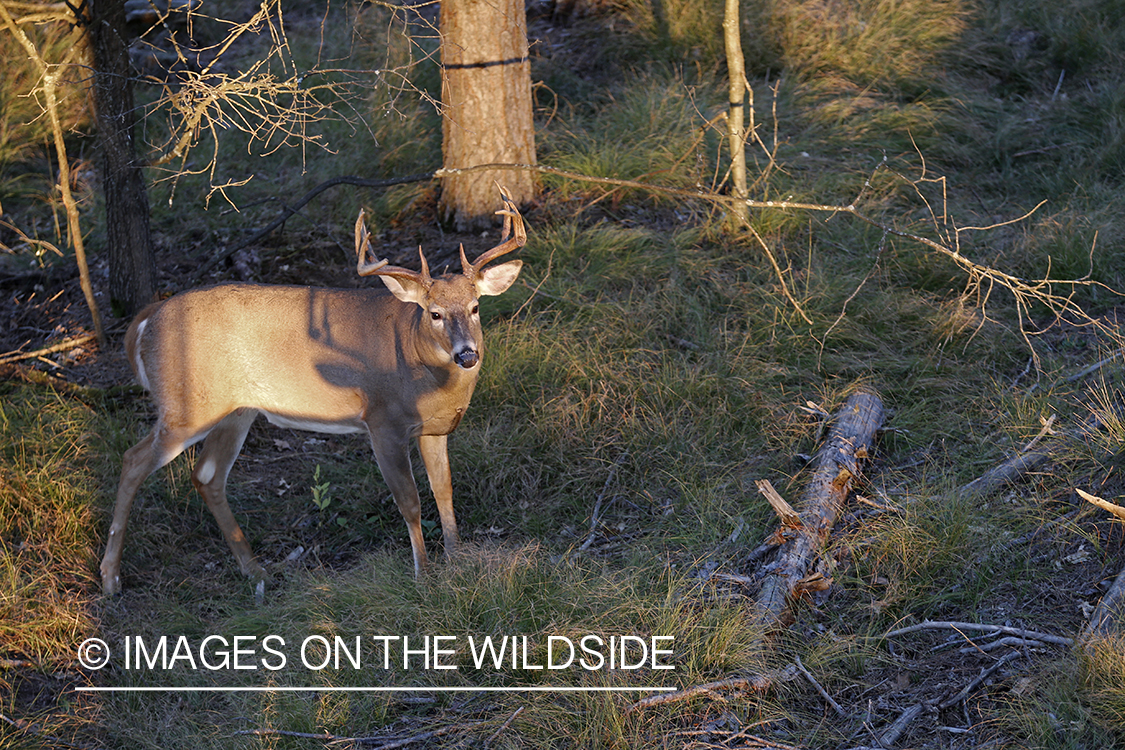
(321,491)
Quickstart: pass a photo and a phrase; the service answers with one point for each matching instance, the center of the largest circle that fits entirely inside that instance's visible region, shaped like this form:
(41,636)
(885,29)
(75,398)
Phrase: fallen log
(836,467)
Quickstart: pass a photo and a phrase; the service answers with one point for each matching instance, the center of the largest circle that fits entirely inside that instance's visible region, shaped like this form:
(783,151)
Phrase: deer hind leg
(435,455)
(157,448)
(220,449)
(393,456)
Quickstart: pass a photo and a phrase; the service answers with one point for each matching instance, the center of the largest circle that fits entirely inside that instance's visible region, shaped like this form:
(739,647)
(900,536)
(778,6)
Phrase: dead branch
(503,726)
(789,518)
(837,463)
(1113,508)
(290,210)
(894,731)
(984,675)
(287,733)
(62,346)
(823,693)
(1011,641)
(1034,455)
(385,744)
(49,74)
(595,517)
(756,684)
(1058,640)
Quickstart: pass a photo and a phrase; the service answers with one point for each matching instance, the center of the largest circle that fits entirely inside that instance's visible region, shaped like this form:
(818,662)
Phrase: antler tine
(422,278)
(426,280)
(512,221)
(363,248)
(381,267)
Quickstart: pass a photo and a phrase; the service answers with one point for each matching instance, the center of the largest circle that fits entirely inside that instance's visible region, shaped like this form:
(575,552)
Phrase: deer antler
(380,267)
(363,248)
(512,219)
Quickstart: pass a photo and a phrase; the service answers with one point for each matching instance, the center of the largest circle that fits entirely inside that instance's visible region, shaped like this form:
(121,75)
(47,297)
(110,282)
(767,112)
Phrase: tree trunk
(486,96)
(736,73)
(132,267)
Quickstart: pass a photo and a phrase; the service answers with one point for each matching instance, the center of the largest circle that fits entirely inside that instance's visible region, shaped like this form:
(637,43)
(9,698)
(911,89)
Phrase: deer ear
(496,280)
(405,289)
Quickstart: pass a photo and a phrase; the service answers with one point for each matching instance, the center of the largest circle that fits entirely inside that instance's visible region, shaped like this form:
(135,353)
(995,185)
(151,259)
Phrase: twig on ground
(62,346)
(1048,423)
(894,731)
(16,664)
(823,693)
(984,675)
(1027,460)
(503,726)
(287,733)
(1080,374)
(981,627)
(30,728)
(386,745)
(1010,640)
(756,684)
(595,517)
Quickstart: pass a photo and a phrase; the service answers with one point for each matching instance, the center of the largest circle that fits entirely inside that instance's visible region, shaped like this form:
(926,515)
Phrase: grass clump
(1072,703)
(518,595)
(48,522)
(645,128)
(881,45)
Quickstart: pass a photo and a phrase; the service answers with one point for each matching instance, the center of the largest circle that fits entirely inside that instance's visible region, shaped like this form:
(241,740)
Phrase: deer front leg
(435,454)
(392,454)
(209,476)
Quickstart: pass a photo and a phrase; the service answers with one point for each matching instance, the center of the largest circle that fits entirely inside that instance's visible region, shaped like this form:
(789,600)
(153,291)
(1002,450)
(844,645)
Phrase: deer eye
(475,310)
(435,316)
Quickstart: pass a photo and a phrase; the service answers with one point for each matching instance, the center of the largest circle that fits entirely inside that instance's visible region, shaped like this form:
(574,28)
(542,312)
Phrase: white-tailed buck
(395,363)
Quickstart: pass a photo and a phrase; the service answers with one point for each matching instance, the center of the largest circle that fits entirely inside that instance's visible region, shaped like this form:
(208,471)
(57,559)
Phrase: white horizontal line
(286,689)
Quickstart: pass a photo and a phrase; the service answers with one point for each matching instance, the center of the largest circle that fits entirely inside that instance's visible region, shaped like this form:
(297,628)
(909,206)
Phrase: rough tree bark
(132,268)
(835,471)
(486,95)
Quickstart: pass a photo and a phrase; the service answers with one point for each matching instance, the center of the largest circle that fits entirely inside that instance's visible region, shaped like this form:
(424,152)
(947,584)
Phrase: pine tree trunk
(132,267)
(487,107)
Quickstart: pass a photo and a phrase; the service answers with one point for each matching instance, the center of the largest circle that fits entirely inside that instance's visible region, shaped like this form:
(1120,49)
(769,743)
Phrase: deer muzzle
(467,358)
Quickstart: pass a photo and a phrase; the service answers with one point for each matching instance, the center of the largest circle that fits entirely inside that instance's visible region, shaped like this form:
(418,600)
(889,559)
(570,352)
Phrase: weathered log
(835,469)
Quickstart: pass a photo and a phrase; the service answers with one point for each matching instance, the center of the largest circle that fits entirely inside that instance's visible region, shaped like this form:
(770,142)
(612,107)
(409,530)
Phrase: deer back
(332,360)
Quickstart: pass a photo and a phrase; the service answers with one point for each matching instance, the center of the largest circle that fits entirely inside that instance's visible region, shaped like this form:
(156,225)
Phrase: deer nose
(467,358)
